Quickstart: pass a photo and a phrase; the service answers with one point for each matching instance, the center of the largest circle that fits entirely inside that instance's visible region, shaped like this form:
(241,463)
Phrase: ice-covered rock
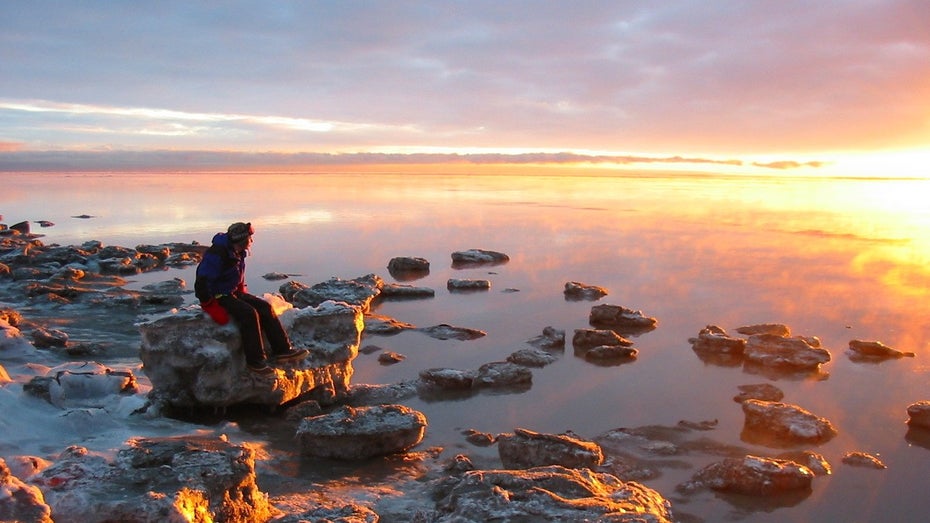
(621,318)
(863,459)
(20,501)
(192,361)
(759,391)
(524,449)
(165,479)
(351,433)
(575,290)
(714,339)
(875,350)
(88,384)
(548,494)
(408,264)
(584,339)
(497,374)
(780,424)
(13,345)
(360,292)
(815,462)
(775,329)
(778,351)
(447,379)
(476,257)
(753,475)
(396,291)
(467,284)
(531,357)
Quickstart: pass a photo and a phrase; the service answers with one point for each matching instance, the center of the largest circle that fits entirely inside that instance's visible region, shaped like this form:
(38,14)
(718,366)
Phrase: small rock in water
(861,459)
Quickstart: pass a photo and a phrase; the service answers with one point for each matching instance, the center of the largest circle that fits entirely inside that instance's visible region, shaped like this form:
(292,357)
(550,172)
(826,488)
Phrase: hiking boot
(291,355)
(260,368)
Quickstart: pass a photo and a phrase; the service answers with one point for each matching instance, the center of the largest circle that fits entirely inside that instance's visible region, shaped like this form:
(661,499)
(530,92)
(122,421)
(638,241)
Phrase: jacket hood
(221,239)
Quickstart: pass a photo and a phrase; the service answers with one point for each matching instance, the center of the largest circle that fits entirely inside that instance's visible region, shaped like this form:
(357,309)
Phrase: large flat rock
(194,362)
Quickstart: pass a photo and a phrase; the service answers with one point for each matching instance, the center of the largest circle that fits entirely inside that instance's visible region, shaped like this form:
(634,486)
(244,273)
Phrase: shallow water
(840,259)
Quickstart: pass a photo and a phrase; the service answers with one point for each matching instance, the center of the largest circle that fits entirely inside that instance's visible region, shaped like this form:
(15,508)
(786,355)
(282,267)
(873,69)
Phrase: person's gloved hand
(215,311)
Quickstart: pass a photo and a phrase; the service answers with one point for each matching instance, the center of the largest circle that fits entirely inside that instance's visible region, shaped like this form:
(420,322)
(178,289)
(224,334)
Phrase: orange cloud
(11,146)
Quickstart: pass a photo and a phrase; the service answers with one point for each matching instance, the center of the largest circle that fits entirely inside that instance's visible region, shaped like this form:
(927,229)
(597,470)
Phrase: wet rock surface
(547,494)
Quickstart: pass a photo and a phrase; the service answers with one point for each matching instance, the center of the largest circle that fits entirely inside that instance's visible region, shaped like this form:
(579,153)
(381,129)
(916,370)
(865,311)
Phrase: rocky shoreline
(189,362)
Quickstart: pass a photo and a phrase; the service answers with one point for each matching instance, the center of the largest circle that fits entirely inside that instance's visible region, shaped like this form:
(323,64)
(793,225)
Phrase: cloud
(788,164)
(723,79)
(11,146)
(104,160)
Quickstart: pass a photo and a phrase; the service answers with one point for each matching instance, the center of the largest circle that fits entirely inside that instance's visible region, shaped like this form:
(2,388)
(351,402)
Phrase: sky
(768,85)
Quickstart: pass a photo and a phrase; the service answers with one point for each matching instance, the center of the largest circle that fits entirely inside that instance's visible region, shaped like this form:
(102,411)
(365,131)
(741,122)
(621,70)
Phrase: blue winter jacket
(221,270)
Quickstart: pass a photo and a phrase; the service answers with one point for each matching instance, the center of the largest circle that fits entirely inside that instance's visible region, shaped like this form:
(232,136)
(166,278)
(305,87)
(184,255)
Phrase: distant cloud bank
(12,159)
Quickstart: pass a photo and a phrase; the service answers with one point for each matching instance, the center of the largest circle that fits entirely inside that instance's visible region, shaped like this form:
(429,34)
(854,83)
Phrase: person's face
(243,245)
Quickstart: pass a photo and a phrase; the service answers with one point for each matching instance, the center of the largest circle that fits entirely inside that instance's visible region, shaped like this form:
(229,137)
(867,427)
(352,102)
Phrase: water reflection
(837,259)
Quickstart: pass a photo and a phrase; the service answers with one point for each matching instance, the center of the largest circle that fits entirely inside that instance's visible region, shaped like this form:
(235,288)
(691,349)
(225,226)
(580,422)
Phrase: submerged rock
(548,494)
(384,325)
(551,338)
(604,353)
(350,433)
(445,331)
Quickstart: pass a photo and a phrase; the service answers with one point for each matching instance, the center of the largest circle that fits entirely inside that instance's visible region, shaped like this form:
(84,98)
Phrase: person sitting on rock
(220,286)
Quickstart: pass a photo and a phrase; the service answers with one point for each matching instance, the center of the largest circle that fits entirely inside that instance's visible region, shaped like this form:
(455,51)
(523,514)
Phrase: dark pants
(255,317)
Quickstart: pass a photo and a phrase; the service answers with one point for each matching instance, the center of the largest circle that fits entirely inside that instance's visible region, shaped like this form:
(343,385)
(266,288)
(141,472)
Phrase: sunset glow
(832,89)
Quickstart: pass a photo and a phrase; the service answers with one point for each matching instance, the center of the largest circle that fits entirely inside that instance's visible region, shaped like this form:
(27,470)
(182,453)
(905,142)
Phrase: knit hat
(239,232)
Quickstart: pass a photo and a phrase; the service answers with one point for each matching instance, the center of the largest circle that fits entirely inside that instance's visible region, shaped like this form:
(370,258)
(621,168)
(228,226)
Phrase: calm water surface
(840,259)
